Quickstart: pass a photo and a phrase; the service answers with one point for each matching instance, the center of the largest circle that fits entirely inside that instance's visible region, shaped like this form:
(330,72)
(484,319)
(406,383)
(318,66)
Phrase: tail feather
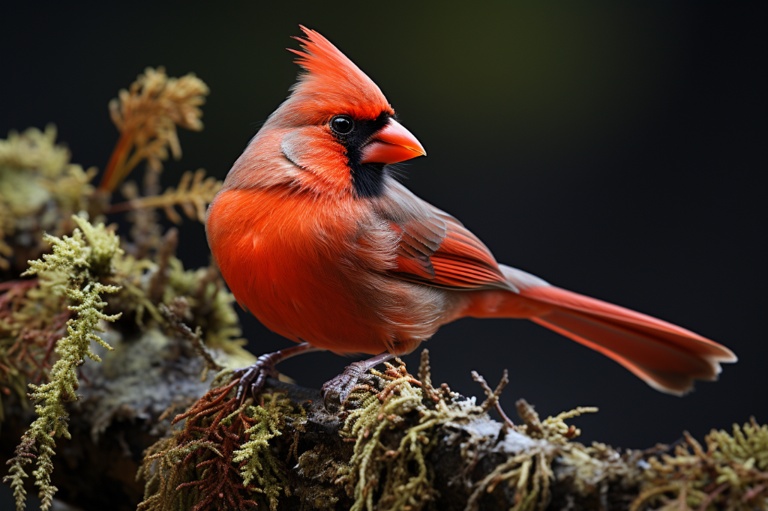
(665,356)
(653,326)
(671,383)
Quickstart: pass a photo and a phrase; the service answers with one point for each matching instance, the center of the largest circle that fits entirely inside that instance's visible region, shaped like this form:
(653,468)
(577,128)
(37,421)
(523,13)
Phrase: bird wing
(437,250)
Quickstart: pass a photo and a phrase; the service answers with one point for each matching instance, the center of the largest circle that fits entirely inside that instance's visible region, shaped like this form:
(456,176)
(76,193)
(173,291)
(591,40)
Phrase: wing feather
(436,249)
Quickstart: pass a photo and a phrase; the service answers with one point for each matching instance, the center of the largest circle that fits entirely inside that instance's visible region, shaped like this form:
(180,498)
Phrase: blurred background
(614,149)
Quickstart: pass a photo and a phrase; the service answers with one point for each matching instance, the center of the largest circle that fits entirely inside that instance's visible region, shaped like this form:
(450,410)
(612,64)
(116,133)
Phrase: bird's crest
(332,80)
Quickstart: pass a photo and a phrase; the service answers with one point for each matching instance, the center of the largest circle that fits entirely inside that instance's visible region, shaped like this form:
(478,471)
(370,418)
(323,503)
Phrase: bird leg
(255,375)
(342,385)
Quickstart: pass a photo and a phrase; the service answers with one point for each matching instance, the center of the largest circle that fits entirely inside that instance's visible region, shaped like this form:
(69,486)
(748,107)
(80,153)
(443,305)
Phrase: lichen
(530,471)
(39,191)
(74,269)
(394,426)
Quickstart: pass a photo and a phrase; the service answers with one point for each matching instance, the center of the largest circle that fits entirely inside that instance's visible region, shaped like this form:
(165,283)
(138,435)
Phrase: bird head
(335,132)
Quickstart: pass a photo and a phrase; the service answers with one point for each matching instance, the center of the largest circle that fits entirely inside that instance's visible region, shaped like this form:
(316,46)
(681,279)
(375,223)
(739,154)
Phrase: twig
(493,395)
(172,314)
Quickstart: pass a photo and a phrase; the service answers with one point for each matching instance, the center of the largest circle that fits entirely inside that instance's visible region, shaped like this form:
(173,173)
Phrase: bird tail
(665,356)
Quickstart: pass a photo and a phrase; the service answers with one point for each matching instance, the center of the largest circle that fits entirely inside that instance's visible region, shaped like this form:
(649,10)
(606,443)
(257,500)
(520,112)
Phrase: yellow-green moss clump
(75,269)
(149,284)
(396,426)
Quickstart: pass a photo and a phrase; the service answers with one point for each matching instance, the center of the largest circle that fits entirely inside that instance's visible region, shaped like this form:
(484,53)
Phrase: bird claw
(255,375)
(340,387)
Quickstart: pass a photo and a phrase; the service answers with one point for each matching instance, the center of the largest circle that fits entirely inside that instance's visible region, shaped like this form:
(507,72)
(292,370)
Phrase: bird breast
(316,272)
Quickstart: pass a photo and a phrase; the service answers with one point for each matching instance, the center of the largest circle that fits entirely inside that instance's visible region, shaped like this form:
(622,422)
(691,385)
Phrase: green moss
(393,430)
(747,446)
(396,425)
(73,269)
(149,284)
(255,458)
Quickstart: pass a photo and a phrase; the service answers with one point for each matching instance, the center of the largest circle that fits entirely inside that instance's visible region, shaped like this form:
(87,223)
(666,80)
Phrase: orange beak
(391,144)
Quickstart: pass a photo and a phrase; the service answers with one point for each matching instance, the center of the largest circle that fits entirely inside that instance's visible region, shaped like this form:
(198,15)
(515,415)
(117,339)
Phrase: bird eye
(342,125)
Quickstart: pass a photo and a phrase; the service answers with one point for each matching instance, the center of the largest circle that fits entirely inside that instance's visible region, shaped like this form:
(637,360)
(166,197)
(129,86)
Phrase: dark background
(614,150)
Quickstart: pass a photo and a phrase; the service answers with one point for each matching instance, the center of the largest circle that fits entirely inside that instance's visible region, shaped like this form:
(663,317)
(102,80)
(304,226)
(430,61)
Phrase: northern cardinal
(315,237)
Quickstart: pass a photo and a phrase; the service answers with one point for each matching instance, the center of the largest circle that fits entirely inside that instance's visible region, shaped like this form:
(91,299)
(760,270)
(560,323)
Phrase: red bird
(315,237)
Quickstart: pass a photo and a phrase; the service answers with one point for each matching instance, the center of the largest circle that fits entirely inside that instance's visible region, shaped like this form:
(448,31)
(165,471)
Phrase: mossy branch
(401,444)
(73,269)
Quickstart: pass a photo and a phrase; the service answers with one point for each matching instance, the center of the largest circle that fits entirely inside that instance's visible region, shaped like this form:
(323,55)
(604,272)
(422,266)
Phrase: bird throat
(368,179)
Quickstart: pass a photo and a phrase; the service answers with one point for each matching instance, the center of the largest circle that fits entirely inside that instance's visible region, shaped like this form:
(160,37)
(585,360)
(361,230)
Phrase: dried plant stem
(117,161)
(193,194)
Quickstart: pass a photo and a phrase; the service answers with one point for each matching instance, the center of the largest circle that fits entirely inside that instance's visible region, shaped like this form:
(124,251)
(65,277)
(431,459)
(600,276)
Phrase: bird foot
(340,387)
(255,375)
